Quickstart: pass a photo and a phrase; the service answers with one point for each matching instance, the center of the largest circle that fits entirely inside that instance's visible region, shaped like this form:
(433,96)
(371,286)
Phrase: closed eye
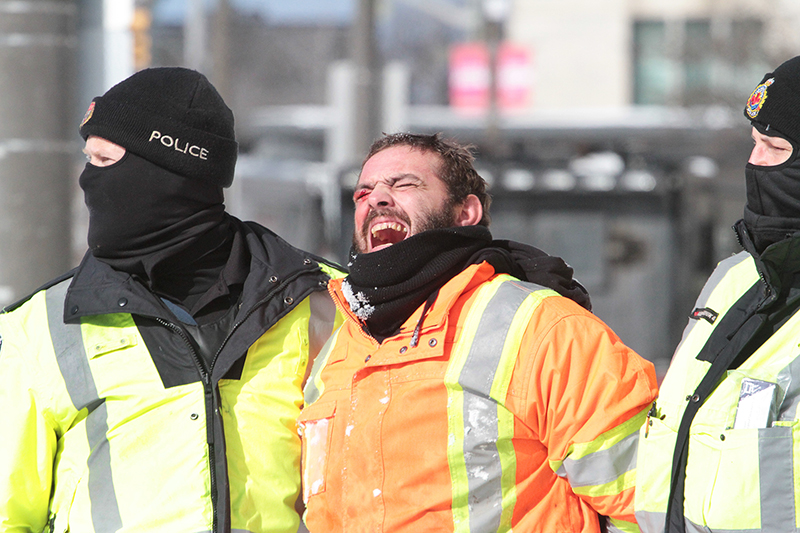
(405,182)
(360,194)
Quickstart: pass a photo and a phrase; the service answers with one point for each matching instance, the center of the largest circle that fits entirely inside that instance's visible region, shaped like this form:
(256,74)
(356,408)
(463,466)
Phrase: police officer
(156,386)
(719,449)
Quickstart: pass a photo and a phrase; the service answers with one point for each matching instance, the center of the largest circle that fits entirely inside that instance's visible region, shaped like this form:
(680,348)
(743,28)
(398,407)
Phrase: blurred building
(611,132)
(652,52)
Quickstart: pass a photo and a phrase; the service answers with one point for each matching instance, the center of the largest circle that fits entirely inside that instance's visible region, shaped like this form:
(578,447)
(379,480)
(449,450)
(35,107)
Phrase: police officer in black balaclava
(156,386)
(723,422)
(157,213)
(772,212)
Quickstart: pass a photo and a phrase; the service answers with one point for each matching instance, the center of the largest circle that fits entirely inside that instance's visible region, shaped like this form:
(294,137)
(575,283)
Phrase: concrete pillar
(37,141)
(395,101)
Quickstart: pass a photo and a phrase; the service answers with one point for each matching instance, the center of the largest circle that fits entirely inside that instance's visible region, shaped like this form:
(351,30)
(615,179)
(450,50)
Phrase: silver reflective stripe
(322,314)
(74,365)
(311,392)
(487,347)
(482,460)
(604,466)
(481,424)
(720,272)
(321,317)
(232,531)
(650,522)
(691,527)
(716,277)
(790,374)
(776,479)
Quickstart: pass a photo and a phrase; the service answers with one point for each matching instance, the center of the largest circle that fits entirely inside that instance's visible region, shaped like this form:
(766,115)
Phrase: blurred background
(611,132)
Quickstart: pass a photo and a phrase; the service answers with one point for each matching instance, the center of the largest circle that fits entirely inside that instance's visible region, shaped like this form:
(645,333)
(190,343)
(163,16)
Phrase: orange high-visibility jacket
(516,408)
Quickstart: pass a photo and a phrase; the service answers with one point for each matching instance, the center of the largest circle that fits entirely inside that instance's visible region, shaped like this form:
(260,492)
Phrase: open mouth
(385,234)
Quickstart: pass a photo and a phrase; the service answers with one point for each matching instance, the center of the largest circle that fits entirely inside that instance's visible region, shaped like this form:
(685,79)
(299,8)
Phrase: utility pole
(195,35)
(495,13)
(206,42)
(364,54)
(37,142)
(220,49)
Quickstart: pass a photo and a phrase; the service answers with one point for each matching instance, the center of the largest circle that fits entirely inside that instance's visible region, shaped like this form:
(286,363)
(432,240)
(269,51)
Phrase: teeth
(387,225)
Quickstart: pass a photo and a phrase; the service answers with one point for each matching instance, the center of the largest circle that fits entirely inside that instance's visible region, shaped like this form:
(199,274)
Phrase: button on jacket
(514,408)
(111,422)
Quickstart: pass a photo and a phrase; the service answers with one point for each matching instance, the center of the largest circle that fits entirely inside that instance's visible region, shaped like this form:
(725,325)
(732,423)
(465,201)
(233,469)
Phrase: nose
(758,156)
(380,196)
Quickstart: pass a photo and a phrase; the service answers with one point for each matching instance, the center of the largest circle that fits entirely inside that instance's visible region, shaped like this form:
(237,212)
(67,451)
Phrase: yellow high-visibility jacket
(721,448)
(111,422)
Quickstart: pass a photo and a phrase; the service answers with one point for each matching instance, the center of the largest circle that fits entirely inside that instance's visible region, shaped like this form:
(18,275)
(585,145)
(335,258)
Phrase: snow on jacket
(516,408)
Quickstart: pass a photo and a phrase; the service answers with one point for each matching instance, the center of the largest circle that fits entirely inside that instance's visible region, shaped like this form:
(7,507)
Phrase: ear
(470,212)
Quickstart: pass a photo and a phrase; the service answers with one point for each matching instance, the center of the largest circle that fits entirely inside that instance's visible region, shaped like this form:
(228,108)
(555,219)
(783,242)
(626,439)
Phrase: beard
(436,219)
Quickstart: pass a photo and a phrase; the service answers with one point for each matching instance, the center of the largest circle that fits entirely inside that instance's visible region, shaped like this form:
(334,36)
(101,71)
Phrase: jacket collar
(778,263)
(97,289)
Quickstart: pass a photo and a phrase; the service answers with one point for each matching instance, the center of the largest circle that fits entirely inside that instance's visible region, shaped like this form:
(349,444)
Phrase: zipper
(205,374)
(252,310)
(210,414)
(768,291)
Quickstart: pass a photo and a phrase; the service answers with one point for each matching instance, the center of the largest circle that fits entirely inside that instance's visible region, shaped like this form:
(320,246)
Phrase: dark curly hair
(456,171)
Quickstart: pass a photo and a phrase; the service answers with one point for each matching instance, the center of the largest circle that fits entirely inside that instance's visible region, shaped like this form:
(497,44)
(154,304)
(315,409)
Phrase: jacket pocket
(754,465)
(653,467)
(107,344)
(315,426)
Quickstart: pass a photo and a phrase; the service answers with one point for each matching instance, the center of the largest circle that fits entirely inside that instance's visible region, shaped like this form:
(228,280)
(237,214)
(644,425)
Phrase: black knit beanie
(174,118)
(775,102)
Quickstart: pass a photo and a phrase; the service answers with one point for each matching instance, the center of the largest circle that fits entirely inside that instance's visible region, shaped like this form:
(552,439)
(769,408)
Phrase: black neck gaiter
(772,212)
(144,219)
(385,287)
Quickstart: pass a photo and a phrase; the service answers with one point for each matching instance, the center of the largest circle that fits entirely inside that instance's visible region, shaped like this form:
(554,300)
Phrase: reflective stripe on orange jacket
(516,409)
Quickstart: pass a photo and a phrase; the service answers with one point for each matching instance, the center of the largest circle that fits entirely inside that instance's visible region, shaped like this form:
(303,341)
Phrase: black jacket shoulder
(52,283)
(281,254)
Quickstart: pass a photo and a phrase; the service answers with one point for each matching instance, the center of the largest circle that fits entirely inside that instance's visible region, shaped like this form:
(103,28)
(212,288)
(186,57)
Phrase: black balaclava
(158,213)
(141,214)
(772,212)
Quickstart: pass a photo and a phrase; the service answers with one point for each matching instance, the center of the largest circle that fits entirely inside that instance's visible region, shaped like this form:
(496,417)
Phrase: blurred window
(696,61)
(652,67)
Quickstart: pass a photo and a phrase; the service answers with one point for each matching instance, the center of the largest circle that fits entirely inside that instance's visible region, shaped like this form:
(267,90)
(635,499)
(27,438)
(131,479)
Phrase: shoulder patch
(705,313)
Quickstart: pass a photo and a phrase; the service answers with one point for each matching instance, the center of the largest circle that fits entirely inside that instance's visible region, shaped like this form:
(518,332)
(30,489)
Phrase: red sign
(470,80)
(513,76)
(469,76)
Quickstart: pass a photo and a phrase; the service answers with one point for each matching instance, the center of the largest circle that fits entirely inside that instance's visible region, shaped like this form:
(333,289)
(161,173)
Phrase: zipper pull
(653,412)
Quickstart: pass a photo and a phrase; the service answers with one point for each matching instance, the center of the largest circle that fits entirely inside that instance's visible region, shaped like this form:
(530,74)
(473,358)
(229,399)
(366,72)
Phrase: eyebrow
(390,179)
